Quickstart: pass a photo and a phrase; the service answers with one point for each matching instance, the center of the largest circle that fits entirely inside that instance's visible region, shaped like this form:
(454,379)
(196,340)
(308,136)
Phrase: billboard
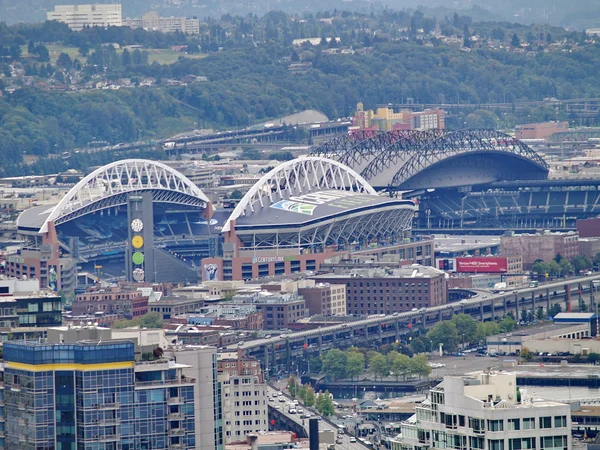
(488,264)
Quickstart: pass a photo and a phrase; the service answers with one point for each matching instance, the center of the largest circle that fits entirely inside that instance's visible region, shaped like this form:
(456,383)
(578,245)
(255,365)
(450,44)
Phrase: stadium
(467,181)
(144,221)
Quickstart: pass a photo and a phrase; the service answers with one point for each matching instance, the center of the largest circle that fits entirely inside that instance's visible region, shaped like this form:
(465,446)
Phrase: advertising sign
(490,264)
(52,278)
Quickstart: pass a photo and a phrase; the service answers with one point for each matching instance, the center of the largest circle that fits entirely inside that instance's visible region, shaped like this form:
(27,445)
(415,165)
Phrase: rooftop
(413,271)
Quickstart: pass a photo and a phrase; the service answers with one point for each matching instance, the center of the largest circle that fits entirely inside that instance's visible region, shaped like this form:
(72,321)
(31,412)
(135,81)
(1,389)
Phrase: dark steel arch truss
(464,141)
(340,145)
(389,157)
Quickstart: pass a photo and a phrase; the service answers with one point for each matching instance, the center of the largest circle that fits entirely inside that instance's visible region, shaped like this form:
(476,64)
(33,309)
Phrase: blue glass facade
(93,397)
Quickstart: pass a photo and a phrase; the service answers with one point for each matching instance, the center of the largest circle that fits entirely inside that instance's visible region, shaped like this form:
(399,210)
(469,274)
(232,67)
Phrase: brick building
(324,298)
(539,130)
(380,291)
(279,310)
(112,300)
(544,246)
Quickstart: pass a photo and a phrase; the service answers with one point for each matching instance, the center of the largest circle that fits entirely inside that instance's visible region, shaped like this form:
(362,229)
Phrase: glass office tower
(94,396)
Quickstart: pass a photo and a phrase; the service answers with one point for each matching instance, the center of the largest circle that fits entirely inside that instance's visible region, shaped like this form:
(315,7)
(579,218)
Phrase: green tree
(379,366)
(401,366)
(324,404)
(565,266)
(515,41)
(64,61)
(445,333)
(335,363)
(309,400)
(356,364)
(292,386)
(507,324)
(485,329)
(526,354)
(540,313)
(554,310)
(420,344)
(466,327)
(419,365)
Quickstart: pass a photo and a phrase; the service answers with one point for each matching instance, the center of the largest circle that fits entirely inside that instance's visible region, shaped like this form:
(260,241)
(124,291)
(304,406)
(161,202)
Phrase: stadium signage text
(269,259)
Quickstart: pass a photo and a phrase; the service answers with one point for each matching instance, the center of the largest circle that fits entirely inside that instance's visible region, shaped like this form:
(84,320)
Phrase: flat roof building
(78,17)
(380,291)
(488,412)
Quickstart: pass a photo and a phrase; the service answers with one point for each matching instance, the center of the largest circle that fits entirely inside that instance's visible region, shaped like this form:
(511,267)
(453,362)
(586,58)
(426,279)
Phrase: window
(560,421)
(546,422)
(521,444)
(553,443)
(495,425)
(529,423)
(476,442)
(495,444)
(514,424)
(478,425)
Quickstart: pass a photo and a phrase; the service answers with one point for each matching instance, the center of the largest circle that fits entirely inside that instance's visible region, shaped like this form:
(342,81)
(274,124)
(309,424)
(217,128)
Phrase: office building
(244,396)
(386,291)
(544,246)
(78,17)
(23,304)
(151,21)
(488,412)
(94,395)
(324,298)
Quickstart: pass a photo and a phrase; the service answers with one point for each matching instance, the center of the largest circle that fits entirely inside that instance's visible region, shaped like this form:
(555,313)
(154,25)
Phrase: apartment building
(244,396)
(488,412)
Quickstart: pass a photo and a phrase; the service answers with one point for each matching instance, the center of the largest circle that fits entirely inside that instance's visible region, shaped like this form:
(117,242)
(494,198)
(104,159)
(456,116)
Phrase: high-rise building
(325,298)
(202,366)
(244,396)
(94,395)
(485,413)
(79,16)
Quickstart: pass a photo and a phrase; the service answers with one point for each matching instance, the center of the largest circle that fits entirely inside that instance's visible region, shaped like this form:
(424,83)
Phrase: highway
(324,424)
(472,306)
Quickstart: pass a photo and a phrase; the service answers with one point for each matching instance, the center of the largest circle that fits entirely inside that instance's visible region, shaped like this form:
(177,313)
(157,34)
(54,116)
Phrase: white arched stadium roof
(128,175)
(297,177)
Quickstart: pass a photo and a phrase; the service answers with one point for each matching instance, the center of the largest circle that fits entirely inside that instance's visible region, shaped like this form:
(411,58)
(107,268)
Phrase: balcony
(176,432)
(108,406)
(109,438)
(175,416)
(21,406)
(175,401)
(177,447)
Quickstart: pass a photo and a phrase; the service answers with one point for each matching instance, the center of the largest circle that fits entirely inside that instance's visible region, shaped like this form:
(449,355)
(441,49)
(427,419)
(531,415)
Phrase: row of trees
(353,362)
(322,401)
(560,266)
(463,329)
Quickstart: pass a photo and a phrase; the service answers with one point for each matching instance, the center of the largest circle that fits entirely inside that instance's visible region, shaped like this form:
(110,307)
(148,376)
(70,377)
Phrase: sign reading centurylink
(306,204)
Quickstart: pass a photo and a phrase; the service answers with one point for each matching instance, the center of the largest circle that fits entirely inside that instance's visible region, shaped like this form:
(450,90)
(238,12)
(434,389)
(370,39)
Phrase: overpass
(281,351)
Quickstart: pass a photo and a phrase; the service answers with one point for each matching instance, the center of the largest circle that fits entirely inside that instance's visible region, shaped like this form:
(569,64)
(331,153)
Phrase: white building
(79,16)
(244,396)
(486,413)
(152,21)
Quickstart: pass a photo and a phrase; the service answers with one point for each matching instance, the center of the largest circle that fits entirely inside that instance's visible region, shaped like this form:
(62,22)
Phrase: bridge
(281,351)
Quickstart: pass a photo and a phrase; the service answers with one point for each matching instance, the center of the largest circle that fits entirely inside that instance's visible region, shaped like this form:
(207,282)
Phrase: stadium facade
(143,221)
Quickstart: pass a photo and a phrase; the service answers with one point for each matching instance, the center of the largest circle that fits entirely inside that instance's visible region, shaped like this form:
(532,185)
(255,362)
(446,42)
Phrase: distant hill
(574,15)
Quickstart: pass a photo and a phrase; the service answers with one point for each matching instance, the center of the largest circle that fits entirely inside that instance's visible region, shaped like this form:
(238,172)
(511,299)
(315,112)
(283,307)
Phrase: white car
(352,439)
(281,400)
